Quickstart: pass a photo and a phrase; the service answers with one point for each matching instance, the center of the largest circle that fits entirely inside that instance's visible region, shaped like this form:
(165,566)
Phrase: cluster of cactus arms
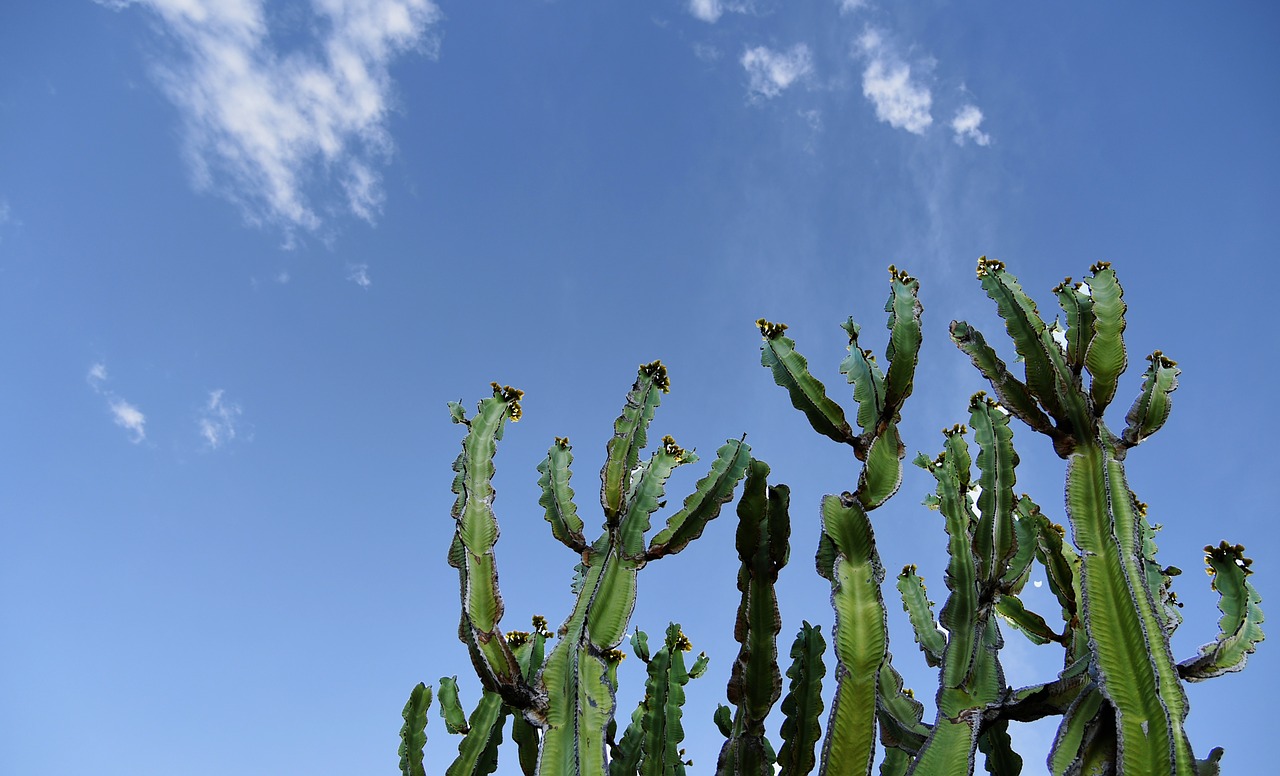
(563,705)
(1119,694)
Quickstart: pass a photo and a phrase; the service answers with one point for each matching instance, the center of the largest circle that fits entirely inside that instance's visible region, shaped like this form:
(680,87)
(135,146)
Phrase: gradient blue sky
(249,249)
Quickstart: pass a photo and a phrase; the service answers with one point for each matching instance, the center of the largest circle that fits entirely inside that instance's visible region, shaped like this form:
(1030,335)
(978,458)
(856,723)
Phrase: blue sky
(248,250)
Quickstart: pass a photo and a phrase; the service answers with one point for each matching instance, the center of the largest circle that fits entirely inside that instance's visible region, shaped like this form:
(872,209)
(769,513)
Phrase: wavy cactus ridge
(802,706)
(1240,628)
(413,735)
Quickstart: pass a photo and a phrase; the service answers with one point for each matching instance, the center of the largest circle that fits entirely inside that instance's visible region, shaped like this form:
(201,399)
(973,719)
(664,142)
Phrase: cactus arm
(475,535)
(862,372)
(1031,625)
(455,720)
(1078,308)
(919,609)
(895,763)
(904,341)
(755,683)
(1151,409)
(413,735)
(703,505)
(1026,531)
(899,713)
(664,697)
(1135,669)
(625,760)
(630,436)
(791,371)
(998,748)
(647,493)
(860,639)
(1240,628)
(530,655)
(1028,332)
(994,540)
(557,496)
(882,474)
(478,749)
(1105,359)
(1084,712)
(1012,393)
(802,706)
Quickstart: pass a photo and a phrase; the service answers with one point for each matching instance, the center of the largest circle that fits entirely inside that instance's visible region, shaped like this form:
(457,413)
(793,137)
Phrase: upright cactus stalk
(570,698)
(847,555)
(1135,716)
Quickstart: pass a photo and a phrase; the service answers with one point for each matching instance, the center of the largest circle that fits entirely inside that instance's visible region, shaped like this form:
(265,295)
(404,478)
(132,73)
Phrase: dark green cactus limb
(1159,578)
(994,539)
(1031,625)
(861,638)
(581,705)
(1151,409)
(663,700)
(995,744)
(624,758)
(530,654)
(1086,711)
(1136,672)
(703,505)
(882,474)
(557,496)
(1106,358)
(755,683)
(455,719)
(791,371)
(630,436)
(1012,393)
(648,492)
(899,713)
(904,341)
(1240,628)
(915,602)
(1078,308)
(895,763)
(478,749)
(1031,338)
(1026,528)
(863,373)
(413,735)
(472,550)
(802,706)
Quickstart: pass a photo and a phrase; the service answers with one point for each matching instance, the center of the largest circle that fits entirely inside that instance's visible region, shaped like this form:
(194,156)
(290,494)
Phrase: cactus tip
(1063,286)
(1101,266)
(770,330)
(672,449)
(517,638)
(562,443)
(987,266)
(540,625)
(900,275)
(512,397)
(658,371)
(613,655)
(683,644)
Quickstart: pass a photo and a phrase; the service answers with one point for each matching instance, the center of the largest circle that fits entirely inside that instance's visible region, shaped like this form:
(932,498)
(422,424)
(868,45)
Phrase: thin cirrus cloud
(901,101)
(966,126)
(219,421)
(266,128)
(359,274)
(770,72)
(125,414)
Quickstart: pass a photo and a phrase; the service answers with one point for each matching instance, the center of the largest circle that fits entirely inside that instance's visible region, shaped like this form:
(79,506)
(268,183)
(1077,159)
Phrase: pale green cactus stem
(1138,710)
(847,555)
(569,698)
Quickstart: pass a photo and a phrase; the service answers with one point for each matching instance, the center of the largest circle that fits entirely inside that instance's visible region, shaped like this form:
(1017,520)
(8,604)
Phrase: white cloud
(769,72)
(97,376)
(849,6)
(707,10)
(901,101)
(359,274)
(262,126)
(966,124)
(219,422)
(129,417)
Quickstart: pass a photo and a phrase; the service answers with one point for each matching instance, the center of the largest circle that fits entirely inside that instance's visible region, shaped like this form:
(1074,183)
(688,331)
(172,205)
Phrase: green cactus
(1134,710)
(413,735)
(569,698)
(847,555)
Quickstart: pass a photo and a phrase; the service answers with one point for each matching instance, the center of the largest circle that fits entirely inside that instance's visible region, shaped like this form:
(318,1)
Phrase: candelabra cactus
(570,699)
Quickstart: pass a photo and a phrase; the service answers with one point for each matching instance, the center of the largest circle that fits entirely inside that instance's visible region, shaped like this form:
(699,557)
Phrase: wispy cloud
(770,72)
(219,421)
(125,414)
(849,6)
(901,101)
(707,10)
(359,274)
(965,125)
(267,128)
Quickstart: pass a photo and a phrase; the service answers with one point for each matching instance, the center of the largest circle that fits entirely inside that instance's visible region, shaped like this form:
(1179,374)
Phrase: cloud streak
(266,128)
(966,126)
(219,422)
(900,101)
(770,72)
(125,414)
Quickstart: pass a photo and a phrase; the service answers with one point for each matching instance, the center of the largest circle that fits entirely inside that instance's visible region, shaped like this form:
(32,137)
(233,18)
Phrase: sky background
(249,250)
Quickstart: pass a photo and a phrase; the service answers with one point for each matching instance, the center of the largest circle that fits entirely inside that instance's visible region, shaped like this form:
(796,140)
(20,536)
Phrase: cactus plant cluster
(1119,693)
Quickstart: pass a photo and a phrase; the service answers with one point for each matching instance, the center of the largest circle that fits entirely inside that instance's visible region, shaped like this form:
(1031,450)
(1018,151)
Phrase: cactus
(847,555)
(1134,710)
(413,735)
(570,697)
